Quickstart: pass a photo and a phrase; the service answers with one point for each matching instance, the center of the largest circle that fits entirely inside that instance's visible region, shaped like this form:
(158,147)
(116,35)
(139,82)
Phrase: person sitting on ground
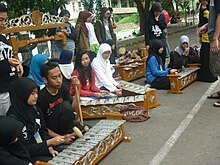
(183,54)
(12,149)
(66,66)
(156,74)
(36,62)
(103,73)
(54,100)
(86,74)
(23,95)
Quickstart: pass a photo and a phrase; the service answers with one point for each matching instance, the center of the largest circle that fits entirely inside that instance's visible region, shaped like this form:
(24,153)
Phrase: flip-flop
(215,95)
(216,104)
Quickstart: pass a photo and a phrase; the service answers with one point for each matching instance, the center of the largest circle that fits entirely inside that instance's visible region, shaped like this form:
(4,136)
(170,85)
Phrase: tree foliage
(94,6)
(20,7)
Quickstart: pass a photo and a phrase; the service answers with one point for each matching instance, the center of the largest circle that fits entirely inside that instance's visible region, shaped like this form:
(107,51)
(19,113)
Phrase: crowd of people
(38,112)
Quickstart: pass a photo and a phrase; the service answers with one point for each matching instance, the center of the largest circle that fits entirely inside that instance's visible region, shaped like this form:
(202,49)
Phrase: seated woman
(103,73)
(36,62)
(156,75)
(66,66)
(183,54)
(24,95)
(12,150)
(86,75)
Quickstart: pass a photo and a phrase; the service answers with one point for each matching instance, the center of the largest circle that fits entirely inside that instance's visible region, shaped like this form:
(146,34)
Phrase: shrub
(134,18)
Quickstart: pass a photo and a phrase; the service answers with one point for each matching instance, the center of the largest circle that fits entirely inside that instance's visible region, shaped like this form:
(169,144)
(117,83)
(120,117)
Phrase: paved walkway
(184,130)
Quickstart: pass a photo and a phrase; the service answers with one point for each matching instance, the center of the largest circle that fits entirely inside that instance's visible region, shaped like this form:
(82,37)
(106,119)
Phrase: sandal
(216,104)
(215,95)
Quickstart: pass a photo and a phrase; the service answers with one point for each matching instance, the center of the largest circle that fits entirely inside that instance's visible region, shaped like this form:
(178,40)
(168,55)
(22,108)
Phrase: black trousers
(161,83)
(62,119)
(204,73)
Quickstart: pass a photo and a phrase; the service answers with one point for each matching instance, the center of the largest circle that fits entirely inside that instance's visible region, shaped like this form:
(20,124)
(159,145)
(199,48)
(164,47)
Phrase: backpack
(166,15)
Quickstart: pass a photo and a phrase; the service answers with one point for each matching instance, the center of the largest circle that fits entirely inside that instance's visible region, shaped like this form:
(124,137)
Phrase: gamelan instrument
(93,146)
(182,79)
(132,94)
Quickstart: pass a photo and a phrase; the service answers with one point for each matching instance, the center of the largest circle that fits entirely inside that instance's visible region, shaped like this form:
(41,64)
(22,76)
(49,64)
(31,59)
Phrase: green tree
(20,7)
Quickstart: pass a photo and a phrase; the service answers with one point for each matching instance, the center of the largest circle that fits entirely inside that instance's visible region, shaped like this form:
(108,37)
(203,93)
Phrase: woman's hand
(98,95)
(52,151)
(173,71)
(56,141)
(118,92)
(120,86)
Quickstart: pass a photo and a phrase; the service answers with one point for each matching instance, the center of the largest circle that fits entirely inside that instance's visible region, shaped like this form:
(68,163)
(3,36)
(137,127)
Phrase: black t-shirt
(8,73)
(48,102)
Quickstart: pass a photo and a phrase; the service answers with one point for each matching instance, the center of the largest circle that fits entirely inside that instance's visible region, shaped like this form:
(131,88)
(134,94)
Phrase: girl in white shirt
(103,73)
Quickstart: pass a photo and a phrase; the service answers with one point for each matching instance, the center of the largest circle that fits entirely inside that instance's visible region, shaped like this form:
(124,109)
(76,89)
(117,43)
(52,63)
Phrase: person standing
(213,27)
(154,27)
(103,27)
(9,66)
(82,31)
(204,73)
(70,33)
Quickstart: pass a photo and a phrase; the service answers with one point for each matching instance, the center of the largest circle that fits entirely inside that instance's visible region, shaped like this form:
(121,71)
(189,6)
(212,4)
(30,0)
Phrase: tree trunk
(143,12)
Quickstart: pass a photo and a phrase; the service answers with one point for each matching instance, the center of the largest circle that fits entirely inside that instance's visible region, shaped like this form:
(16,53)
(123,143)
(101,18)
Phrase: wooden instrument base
(98,111)
(183,79)
(93,146)
(132,71)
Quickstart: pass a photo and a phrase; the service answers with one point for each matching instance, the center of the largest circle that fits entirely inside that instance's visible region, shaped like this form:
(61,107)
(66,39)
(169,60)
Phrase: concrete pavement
(184,130)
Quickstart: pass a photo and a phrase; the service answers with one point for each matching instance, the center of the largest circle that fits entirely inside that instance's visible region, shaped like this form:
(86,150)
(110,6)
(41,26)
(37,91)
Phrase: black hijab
(19,94)
(64,12)
(10,129)
(155,45)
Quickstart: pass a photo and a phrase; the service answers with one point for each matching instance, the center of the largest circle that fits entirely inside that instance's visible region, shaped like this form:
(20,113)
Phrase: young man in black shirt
(8,65)
(57,105)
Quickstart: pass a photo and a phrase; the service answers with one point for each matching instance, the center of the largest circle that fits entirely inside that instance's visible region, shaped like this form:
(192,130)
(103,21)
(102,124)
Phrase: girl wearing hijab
(86,75)
(12,150)
(82,32)
(94,44)
(56,46)
(23,95)
(103,73)
(103,27)
(183,54)
(66,66)
(36,62)
(156,74)
(154,27)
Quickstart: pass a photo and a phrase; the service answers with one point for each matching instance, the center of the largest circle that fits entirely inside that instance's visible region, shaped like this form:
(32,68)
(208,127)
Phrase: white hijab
(67,69)
(179,49)
(102,66)
(92,37)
